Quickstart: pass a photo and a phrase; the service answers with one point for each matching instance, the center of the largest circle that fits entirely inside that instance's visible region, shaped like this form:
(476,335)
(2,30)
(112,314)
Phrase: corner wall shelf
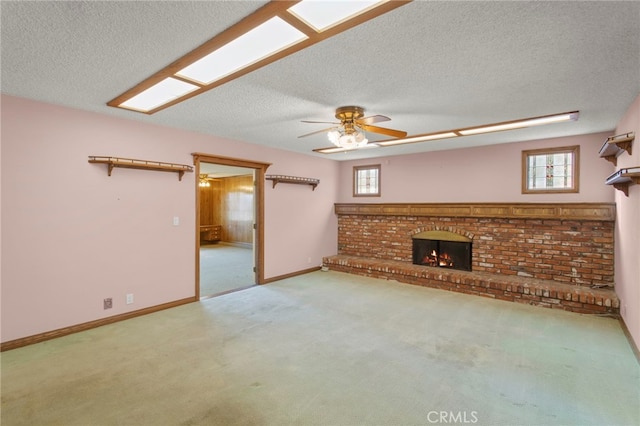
(616,145)
(293,179)
(623,178)
(131,163)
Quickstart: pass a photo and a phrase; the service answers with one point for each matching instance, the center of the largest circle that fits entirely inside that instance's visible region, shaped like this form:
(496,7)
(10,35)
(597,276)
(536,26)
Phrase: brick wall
(569,251)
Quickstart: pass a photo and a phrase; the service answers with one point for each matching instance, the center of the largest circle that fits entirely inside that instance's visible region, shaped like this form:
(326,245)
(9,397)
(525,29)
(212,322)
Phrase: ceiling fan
(349,131)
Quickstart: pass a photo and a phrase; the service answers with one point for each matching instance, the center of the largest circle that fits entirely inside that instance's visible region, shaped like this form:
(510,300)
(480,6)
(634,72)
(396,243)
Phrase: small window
(550,170)
(366,181)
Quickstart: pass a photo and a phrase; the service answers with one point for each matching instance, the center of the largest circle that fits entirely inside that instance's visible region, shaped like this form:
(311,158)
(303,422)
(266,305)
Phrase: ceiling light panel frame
(274,11)
(485,128)
(468,131)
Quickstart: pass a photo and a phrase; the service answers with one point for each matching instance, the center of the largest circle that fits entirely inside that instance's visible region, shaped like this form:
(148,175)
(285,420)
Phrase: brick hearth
(546,293)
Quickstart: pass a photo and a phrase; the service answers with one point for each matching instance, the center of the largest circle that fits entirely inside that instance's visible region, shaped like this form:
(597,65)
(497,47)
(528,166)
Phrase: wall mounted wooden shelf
(293,179)
(623,178)
(131,163)
(616,145)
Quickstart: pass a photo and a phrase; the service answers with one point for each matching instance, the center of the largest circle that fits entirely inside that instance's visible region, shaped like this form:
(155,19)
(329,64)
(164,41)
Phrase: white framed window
(366,181)
(550,170)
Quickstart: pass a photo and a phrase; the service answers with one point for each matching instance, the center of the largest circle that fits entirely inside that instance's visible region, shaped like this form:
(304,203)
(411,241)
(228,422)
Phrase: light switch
(176,221)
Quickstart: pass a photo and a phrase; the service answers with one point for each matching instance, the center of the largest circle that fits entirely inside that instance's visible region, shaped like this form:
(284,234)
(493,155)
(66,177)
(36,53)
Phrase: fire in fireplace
(442,249)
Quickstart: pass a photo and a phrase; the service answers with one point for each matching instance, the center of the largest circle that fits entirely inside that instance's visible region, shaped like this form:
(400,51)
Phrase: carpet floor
(328,348)
(225,267)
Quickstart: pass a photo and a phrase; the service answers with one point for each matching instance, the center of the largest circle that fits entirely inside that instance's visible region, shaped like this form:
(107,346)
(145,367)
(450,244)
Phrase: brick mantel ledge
(545,293)
(557,211)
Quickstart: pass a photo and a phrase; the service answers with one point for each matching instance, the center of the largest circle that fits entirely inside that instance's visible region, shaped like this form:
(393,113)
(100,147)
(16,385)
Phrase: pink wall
(627,237)
(72,236)
(483,174)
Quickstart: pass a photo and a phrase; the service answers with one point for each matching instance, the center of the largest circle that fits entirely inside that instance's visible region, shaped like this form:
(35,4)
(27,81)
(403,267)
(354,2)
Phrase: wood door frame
(260,169)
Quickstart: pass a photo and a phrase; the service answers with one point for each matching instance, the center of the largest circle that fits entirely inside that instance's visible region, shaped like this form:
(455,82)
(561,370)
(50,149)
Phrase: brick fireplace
(568,244)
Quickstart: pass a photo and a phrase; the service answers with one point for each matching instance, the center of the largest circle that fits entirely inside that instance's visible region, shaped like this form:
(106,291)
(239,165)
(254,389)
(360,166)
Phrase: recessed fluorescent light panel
(330,150)
(272,32)
(334,149)
(468,131)
(324,14)
(519,124)
(259,43)
(163,92)
(413,139)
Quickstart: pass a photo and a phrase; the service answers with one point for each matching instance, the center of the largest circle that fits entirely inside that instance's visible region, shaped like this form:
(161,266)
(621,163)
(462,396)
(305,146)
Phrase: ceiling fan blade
(384,131)
(317,131)
(372,119)
(325,122)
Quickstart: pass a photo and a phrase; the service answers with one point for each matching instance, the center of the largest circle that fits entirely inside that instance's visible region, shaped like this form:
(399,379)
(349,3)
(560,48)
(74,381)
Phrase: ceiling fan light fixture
(322,15)
(347,140)
(353,140)
(360,138)
(203,181)
(519,124)
(334,137)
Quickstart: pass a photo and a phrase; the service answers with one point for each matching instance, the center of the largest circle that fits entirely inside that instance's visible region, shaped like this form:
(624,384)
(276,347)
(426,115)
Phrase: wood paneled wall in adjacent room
(237,209)
(229,202)
(210,202)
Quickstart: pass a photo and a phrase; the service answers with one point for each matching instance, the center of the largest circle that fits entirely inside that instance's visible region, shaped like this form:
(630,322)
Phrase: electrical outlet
(108,303)
(129,299)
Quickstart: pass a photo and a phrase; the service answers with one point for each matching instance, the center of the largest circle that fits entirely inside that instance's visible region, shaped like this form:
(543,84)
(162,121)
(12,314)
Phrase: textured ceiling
(430,66)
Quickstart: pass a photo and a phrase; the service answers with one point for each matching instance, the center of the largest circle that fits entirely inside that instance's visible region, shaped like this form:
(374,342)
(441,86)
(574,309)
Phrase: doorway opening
(229,210)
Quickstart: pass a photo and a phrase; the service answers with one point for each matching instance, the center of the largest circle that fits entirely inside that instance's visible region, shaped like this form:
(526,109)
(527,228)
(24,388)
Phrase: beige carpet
(331,349)
(225,267)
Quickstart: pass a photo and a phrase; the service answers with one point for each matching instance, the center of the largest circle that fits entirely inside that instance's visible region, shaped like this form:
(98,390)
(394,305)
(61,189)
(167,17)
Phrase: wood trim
(557,211)
(260,170)
(37,338)
(632,343)
(292,274)
(354,179)
(196,163)
(441,235)
(575,169)
(229,161)
(233,290)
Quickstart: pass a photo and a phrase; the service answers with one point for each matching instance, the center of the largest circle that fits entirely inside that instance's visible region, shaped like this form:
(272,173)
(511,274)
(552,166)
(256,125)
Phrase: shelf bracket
(624,187)
(612,159)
